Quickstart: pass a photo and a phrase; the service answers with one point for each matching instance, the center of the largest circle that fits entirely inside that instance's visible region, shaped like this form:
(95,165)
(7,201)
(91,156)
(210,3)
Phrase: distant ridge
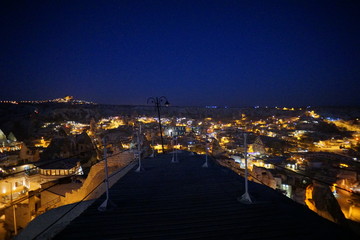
(66,99)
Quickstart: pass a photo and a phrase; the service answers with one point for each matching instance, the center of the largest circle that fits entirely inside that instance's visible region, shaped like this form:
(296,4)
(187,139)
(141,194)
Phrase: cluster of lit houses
(270,132)
(268,140)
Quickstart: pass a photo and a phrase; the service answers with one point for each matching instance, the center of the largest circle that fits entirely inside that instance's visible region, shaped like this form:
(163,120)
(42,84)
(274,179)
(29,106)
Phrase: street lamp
(158,101)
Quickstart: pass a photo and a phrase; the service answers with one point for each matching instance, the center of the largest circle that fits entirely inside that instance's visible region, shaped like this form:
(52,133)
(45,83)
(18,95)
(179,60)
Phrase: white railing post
(174,155)
(205,165)
(139,169)
(104,205)
(245,198)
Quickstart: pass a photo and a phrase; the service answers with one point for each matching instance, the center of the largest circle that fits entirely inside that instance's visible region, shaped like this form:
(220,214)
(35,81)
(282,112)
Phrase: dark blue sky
(234,53)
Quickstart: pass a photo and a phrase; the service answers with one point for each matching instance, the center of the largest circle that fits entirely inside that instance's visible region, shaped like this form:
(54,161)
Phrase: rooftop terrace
(185,201)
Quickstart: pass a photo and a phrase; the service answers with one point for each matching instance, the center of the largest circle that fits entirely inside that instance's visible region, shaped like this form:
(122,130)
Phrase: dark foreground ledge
(185,201)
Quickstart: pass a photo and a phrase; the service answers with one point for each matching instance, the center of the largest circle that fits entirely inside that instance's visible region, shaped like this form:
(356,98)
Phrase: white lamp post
(205,165)
(139,169)
(245,198)
(174,157)
(104,205)
(152,145)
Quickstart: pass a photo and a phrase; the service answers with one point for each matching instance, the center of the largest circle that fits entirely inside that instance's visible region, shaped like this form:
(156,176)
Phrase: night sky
(233,53)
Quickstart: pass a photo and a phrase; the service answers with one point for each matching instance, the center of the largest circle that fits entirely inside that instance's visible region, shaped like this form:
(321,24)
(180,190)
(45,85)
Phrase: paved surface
(185,201)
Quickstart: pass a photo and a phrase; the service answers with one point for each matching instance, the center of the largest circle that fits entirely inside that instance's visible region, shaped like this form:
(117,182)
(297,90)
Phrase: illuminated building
(61,167)
(174,131)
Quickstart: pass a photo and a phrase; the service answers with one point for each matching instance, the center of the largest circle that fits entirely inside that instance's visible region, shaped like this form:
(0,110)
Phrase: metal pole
(176,152)
(205,165)
(174,157)
(246,164)
(173,147)
(157,103)
(104,205)
(152,144)
(106,170)
(245,198)
(13,208)
(139,151)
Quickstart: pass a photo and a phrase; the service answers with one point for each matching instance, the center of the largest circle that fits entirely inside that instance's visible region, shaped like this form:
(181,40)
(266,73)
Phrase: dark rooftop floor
(185,201)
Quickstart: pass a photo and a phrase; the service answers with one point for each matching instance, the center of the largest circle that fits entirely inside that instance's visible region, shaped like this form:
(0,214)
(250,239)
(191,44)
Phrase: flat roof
(186,201)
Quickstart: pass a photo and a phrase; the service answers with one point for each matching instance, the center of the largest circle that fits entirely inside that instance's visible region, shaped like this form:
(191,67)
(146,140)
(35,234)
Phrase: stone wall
(96,176)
